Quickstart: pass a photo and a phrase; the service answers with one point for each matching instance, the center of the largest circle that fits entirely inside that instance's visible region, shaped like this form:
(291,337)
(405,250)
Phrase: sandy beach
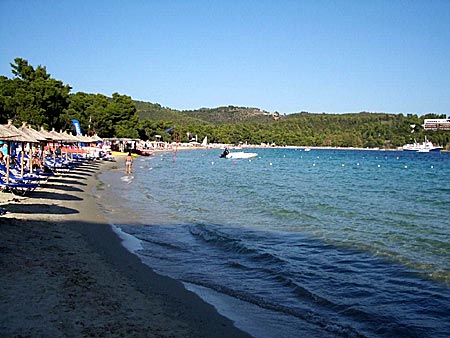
(64,273)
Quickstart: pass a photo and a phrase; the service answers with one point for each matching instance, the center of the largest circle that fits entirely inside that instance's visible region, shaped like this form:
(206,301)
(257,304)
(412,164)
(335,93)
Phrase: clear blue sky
(285,56)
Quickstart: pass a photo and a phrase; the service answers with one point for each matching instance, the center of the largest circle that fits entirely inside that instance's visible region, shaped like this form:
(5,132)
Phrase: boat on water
(425,147)
(237,154)
(144,152)
(241,154)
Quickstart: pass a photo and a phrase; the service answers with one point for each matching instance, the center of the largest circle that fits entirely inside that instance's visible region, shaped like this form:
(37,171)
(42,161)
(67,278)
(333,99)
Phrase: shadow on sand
(67,188)
(39,209)
(67,181)
(54,196)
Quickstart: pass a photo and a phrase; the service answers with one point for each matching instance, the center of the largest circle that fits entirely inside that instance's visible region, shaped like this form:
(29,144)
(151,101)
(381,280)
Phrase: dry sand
(64,273)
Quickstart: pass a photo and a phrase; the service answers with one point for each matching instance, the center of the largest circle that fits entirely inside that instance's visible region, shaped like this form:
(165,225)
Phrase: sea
(295,243)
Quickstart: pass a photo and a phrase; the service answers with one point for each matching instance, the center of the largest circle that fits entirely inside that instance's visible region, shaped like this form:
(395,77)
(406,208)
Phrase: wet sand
(64,273)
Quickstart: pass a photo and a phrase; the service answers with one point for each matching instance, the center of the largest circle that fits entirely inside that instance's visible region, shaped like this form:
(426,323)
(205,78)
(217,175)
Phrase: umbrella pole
(30,155)
(54,157)
(41,155)
(7,168)
(22,160)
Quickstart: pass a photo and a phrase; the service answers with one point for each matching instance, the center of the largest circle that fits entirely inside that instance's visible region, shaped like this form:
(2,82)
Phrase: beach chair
(16,177)
(56,165)
(17,188)
(37,171)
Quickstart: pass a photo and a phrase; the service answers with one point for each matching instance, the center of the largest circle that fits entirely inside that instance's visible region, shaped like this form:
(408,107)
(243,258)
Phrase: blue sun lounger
(17,188)
(26,178)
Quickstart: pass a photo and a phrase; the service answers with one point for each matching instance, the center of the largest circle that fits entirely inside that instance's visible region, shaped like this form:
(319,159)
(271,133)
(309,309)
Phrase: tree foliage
(362,130)
(32,95)
(35,97)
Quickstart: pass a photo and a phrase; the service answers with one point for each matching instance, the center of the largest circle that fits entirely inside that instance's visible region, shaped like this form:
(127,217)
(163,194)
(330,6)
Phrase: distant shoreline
(234,147)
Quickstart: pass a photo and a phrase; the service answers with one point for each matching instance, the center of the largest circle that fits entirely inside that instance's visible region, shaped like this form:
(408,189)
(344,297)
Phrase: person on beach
(128,163)
(3,152)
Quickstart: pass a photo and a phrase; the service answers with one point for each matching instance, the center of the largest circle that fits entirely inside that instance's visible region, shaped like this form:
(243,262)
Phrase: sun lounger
(57,165)
(17,188)
(26,178)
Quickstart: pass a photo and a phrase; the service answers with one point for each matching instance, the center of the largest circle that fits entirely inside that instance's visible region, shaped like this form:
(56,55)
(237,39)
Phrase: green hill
(216,116)
(252,125)
(230,114)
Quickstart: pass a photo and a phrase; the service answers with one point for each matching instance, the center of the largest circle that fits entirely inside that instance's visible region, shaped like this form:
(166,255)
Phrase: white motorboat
(241,155)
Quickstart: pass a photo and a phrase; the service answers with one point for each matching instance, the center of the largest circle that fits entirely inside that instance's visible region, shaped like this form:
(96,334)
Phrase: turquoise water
(292,243)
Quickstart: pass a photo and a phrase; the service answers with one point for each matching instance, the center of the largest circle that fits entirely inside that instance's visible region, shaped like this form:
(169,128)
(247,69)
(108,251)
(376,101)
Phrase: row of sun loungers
(21,182)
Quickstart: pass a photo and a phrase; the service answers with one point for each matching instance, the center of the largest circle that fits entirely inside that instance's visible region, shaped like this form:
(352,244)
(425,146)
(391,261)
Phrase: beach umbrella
(47,134)
(32,132)
(64,137)
(69,138)
(57,136)
(60,137)
(20,137)
(5,133)
(96,138)
(85,138)
(41,137)
(50,137)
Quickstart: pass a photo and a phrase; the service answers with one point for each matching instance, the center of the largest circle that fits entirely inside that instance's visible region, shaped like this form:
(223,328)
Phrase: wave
(211,234)
(163,244)
(307,314)
(272,271)
(130,242)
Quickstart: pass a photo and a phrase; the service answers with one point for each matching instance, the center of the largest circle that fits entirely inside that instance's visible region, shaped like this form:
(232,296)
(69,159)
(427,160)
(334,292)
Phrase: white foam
(256,321)
(129,242)
(127,178)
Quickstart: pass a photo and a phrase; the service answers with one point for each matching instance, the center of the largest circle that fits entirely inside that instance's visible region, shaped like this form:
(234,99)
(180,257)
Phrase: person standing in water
(128,163)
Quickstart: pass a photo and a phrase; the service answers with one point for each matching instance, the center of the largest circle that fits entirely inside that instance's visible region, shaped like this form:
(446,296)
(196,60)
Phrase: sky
(285,56)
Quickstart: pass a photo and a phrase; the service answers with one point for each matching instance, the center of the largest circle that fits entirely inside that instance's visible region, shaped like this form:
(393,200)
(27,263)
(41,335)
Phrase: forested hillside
(242,124)
(32,95)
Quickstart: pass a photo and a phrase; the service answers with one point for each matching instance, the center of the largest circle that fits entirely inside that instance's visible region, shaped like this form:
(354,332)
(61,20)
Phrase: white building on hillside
(436,124)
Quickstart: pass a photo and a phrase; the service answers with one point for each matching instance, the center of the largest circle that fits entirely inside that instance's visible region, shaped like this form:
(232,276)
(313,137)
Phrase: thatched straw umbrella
(20,137)
(69,138)
(32,132)
(96,138)
(54,137)
(5,133)
(47,134)
(43,139)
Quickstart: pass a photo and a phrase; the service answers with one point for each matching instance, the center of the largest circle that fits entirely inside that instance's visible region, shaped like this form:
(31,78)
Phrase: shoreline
(64,272)
(252,146)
